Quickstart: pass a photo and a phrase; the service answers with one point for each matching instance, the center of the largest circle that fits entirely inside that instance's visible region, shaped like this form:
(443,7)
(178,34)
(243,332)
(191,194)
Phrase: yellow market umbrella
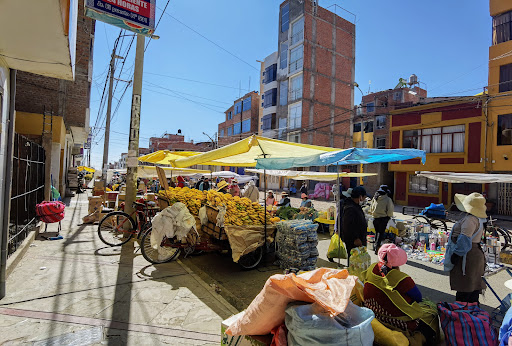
(150,171)
(87,169)
(163,157)
(245,152)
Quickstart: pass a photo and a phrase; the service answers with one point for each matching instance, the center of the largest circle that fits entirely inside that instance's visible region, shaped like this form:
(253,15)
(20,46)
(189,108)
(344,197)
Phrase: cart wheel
(439,224)
(252,259)
(161,255)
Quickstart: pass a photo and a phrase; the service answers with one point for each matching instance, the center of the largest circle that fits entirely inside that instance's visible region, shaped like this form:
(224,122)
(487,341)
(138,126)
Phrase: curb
(18,255)
(224,297)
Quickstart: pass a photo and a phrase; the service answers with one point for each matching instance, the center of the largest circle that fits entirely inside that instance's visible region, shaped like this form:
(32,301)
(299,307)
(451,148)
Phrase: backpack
(50,212)
(466,324)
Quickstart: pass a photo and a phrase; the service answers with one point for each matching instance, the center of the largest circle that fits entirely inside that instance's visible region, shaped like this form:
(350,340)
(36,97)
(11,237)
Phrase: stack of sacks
(297,242)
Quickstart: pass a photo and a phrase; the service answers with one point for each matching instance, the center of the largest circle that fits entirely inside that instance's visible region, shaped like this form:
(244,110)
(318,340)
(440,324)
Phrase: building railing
(296,65)
(297,37)
(295,94)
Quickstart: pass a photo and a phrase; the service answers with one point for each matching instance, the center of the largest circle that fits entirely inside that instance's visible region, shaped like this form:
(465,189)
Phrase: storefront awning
(470,178)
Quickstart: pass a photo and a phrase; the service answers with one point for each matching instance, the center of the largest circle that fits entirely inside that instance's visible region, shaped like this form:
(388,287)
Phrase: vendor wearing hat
(306,202)
(271,200)
(354,226)
(285,201)
(234,189)
(395,299)
(222,186)
(381,208)
(464,257)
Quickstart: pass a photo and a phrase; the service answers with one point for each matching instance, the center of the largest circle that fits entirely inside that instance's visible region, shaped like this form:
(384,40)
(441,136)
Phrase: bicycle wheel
(501,234)
(439,224)
(160,255)
(252,259)
(116,228)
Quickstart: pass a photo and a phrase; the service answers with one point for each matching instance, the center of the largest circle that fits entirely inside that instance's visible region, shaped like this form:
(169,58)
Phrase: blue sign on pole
(133,15)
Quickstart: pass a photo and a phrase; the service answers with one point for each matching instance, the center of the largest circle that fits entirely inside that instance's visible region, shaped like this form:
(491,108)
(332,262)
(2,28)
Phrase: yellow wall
(430,120)
(499,6)
(32,124)
(368,137)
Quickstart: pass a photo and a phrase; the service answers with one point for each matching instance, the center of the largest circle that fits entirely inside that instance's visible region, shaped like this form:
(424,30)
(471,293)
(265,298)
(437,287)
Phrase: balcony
(296,65)
(297,37)
(39,36)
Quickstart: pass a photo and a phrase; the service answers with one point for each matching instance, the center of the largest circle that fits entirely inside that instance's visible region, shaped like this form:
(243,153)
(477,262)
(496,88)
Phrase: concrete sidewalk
(80,291)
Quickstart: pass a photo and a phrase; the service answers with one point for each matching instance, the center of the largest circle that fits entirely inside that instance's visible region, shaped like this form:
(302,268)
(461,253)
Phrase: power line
(181,92)
(212,42)
(158,23)
(205,105)
(193,80)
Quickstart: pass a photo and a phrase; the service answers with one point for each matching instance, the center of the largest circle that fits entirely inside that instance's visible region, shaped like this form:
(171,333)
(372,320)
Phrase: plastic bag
(202,216)
(391,227)
(371,227)
(359,261)
(309,324)
(336,248)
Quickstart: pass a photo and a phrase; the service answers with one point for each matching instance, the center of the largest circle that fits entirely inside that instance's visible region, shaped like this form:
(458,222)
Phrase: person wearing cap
(223,187)
(285,201)
(271,200)
(396,300)
(353,226)
(464,257)
(306,202)
(381,208)
(343,197)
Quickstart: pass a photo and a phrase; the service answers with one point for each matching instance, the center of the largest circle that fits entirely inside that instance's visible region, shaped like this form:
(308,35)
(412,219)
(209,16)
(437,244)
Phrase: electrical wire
(205,105)
(192,80)
(181,92)
(212,42)
(158,23)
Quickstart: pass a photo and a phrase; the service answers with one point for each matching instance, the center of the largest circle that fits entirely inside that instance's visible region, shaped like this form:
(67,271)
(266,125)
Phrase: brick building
(311,98)
(47,105)
(242,119)
(371,120)
(176,142)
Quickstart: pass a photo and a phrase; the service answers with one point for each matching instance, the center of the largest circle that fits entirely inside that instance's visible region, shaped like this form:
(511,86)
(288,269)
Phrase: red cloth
(50,212)
(181,181)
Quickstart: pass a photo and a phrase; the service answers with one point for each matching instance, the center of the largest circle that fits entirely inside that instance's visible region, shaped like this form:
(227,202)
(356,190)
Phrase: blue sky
(189,81)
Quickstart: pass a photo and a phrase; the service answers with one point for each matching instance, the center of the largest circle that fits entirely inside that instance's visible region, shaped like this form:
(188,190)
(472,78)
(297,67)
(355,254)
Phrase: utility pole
(109,110)
(133,139)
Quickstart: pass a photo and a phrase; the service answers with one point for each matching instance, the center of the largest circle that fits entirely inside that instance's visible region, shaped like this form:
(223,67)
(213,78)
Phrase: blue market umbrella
(350,156)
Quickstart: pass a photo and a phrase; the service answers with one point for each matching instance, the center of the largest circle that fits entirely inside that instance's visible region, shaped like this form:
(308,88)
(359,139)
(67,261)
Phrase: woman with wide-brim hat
(222,186)
(464,257)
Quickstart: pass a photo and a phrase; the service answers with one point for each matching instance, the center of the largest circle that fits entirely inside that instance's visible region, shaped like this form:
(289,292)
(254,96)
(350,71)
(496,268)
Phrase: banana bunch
(239,211)
(192,198)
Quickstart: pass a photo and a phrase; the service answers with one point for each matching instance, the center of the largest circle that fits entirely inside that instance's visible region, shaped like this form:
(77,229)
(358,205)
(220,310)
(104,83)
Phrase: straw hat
(221,185)
(347,193)
(284,193)
(396,256)
(473,204)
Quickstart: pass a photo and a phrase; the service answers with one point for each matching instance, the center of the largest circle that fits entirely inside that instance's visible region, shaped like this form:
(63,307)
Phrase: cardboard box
(236,340)
(99,184)
(95,204)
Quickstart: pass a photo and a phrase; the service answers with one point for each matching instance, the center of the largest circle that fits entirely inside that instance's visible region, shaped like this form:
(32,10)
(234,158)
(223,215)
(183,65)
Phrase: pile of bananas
(192,198)
(239,211)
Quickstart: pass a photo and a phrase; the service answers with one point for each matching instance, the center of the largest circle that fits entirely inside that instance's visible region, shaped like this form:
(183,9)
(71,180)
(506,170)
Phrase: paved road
(79,289)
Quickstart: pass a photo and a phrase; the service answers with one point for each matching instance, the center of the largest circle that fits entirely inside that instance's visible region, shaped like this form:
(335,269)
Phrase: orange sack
(329,288)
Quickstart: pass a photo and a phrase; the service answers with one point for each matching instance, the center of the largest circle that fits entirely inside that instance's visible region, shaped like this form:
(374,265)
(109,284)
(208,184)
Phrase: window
(368,126)
(268,122)
(284,56)
(238,107)
(294,137)
(358,144)
(381,122)
(230,115)
(282,123)
(357,127)
(296,60)
(380,142)
(370,107)
(270,98)
(423,185)
(285,17)
(296,88)
(502,28)
(221,134)
(295,116)
(397,96)
(297,31)
(505,129)
(505,78)
(448,139)
(270,74)
(246,125)
(246,104)
(283,93)
(237,127)
(230,131)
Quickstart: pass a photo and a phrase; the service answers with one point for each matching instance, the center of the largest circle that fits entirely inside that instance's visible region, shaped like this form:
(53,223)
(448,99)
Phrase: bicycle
(497,232)
(118,227)
(434,223)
